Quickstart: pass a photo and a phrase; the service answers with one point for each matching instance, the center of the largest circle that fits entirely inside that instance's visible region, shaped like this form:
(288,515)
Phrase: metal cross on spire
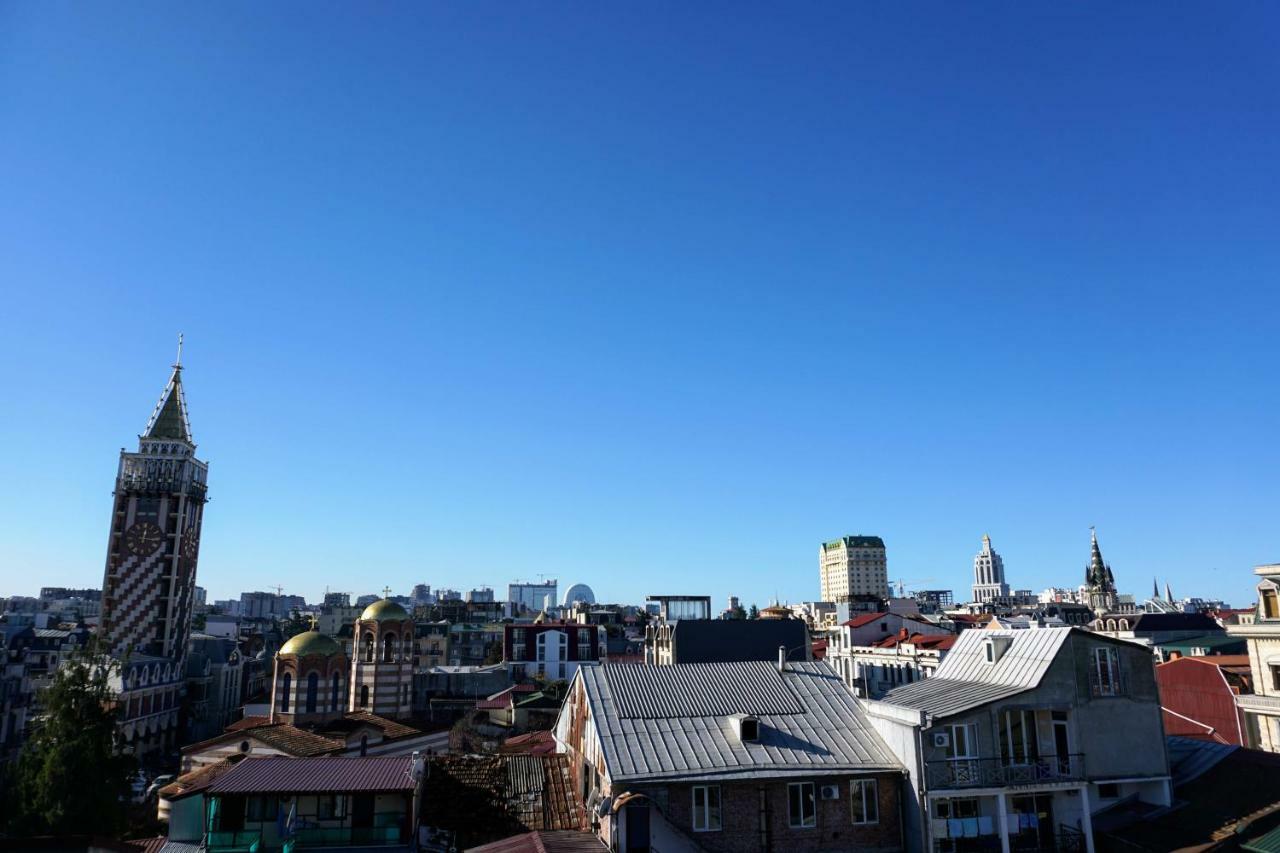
(386,592)
(178,364)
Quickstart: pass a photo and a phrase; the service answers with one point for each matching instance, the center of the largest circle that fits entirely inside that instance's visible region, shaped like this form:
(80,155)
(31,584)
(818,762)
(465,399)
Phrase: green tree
(753,613)
(493,653)
(69,773)
(294,625)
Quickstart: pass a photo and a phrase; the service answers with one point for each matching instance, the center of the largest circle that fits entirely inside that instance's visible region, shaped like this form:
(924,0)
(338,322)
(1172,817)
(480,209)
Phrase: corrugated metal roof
(1023,663)
(700,690)
(674,722)
(1268,843)
(285,775)
(941,697)
(966,680)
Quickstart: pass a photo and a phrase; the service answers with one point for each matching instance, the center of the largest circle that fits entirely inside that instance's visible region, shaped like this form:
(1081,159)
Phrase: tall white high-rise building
(988,574)
(853,565)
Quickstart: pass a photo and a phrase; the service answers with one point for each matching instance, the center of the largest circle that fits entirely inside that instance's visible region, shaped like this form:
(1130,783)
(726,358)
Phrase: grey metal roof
(809,722)
(1023,663)
(941,697)
(965,680)
(291,775)
(701,690)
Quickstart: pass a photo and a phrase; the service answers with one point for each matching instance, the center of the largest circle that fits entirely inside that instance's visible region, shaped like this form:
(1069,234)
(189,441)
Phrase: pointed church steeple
(169,419)
(1155,588)
(1097,572)
(1168,592)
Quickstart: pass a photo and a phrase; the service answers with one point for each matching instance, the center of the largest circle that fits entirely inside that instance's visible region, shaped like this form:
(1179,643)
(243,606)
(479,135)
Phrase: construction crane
(902,584)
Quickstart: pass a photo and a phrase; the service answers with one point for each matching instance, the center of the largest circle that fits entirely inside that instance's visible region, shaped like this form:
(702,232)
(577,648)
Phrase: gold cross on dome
(315,620)
(386,592)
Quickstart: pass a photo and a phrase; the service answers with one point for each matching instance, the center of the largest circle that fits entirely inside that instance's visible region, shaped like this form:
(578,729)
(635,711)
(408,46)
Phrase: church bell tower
(149,583)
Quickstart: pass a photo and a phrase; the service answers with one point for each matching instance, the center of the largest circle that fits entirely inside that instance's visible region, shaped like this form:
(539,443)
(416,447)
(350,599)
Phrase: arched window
(368,647)
(333,701)
(364,696)
(287,681)
(313,691)
(389,648)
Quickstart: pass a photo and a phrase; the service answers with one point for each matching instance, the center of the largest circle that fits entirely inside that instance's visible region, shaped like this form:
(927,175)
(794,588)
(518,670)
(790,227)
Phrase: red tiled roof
(864,619)
(390,728)
(250,722)
(533,743)
(296,741)
(285,775)
(1218,660)
(492,705)
(554,841)
(198,780)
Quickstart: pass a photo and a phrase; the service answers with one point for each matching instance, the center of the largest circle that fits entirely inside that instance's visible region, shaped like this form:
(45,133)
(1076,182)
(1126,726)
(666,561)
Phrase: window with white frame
(706,808)
(802,808)
(1106,671)
(866,806)
(962,742)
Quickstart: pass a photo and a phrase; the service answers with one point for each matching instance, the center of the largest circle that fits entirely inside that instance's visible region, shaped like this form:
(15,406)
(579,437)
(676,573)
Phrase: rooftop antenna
(178,364)
(279,589)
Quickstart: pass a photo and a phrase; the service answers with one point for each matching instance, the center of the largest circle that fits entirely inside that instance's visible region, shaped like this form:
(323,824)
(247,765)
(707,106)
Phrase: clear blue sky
(653,296)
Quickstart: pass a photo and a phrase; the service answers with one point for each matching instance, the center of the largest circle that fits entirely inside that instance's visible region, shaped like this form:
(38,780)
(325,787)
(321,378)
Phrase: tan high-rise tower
(853,566)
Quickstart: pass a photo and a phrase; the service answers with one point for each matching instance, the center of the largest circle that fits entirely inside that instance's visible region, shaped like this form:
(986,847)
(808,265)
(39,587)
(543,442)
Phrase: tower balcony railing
(1001,772)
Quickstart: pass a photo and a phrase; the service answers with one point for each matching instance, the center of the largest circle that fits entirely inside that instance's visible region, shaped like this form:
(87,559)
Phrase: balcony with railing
(1002,772)
(237,841)
(328,837)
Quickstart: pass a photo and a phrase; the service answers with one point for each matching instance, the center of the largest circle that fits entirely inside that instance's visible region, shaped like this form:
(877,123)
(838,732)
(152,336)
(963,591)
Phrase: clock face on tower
(143,538)
(190,545)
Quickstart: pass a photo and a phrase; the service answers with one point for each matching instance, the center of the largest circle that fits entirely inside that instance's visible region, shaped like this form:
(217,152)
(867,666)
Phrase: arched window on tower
(364,696)
(313,692)
(287,682)
(389,648)
(368,647)
(333,699)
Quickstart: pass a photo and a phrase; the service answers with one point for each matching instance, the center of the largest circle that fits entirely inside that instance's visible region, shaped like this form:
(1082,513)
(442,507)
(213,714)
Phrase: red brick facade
(747,806)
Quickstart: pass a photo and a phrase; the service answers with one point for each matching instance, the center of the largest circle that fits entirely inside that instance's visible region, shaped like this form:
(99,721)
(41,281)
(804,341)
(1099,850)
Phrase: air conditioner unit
(830,792)
(941,740)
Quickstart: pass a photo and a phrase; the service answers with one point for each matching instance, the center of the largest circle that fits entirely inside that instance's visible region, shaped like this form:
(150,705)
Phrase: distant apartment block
(532,597)
(853,566)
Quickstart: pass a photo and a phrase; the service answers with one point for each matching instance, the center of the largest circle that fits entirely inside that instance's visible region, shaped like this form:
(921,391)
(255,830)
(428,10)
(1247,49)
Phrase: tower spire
(169,418)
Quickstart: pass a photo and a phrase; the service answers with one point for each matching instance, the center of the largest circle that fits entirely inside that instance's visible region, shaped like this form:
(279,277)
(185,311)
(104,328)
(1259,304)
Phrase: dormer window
(747,728)
(995,647)
(1268,603)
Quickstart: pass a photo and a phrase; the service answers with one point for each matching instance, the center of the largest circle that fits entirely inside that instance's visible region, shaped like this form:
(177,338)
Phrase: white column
(1086,819)
(1004,823)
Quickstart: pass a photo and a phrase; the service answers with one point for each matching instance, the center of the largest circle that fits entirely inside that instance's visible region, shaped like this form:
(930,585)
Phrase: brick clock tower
(149,586)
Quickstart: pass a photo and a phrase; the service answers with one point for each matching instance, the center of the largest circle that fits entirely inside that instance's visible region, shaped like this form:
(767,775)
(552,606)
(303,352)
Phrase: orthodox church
(324,702)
